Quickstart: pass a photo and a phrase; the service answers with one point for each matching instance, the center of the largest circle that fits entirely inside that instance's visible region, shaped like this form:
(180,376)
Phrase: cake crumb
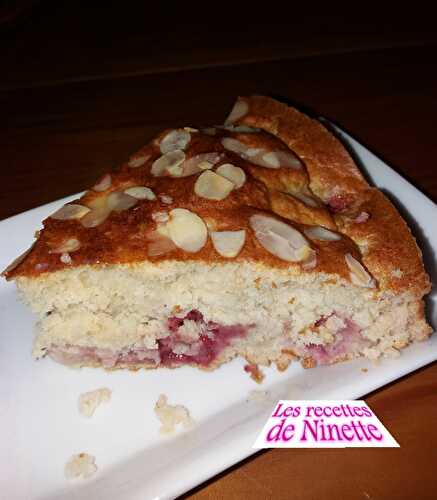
(89,401)
(80,465)
(255,373)
(170,416)
(257,396)
(364,370)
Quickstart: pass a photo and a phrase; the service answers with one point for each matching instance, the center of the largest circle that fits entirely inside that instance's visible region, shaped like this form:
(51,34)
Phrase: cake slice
(260,239)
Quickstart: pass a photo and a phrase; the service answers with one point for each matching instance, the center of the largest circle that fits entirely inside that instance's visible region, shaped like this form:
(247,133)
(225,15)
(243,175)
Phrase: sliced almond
(262,157)
(140,193)
(280,239)
(95,217)
(321,233)
(104,184)
(168,200)
(252,152)
(69,245)
(175,140)
(235,146)
(160,216)
(205,165)
(359,275)
(257,156)
(187,230)
(240,109)
(211,186)
(196,164)
(65,258)
(175,171)
(308,200)
(276,159)
(288,159)
(228,243)
(137,161)
(234,174)
(71,211)
(119,201)
(271,159)
(159,244)
(168,160)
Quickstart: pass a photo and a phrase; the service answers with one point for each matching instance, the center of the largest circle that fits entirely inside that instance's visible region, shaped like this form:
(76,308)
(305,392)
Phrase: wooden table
(67,115)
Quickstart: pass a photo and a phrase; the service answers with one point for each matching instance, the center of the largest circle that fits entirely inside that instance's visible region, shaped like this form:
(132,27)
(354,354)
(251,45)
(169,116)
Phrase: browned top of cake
(272,186)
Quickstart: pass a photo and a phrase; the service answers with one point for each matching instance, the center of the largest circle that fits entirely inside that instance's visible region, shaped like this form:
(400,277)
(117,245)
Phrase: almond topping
(71,211)
(168,160)
(175,171)
(200,162)
(240,109)
(141,193)
(359,275)
(205,165)
(288,159)
(235,146)
(271,159)
(168,200)
(137,161)
(70,245)
(308,200)
(261,157)
(65,258)
(280,239)
(320,233)
(160,216)
(175,140)
(187,230)
(95,217)
(119,201)
(159,244)
(234,174)
(228,243)
(104,184)
(211,186)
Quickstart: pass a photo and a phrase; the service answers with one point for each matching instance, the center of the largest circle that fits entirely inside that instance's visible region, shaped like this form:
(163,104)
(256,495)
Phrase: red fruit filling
(201,348)
(338,203)
(348,341)
(213,338)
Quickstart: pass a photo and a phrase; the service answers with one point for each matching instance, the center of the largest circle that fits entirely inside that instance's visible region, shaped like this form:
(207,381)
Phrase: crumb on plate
(89,401)
(80,465)
(170,416)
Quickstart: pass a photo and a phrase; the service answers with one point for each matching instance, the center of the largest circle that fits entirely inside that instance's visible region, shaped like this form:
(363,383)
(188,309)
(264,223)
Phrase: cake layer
(176,313)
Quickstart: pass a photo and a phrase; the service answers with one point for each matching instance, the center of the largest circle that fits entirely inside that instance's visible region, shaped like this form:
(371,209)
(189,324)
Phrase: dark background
(85,83)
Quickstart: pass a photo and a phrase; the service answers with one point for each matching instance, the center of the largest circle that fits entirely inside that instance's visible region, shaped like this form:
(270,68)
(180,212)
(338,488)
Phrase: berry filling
(212,338)
(192,340)
(348,340)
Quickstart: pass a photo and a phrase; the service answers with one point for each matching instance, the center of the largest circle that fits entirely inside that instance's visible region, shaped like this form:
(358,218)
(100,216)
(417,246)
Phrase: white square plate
(40,426)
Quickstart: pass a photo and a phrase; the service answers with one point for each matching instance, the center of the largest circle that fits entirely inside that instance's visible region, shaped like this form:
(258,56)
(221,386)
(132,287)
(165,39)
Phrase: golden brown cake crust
(328,190)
